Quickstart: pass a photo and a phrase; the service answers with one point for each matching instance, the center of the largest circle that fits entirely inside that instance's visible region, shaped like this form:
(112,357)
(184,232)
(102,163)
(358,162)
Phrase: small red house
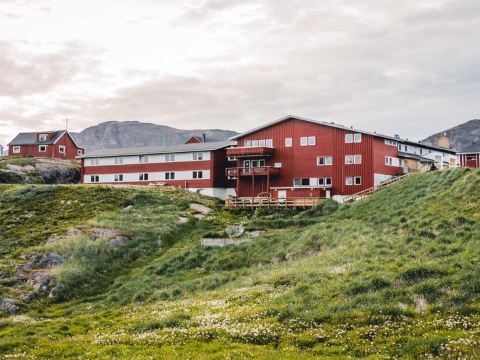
(470,157)
(46,144)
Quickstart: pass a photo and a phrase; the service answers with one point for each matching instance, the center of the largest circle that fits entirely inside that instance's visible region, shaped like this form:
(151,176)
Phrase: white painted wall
(152,176)
(152,159)
(379,178)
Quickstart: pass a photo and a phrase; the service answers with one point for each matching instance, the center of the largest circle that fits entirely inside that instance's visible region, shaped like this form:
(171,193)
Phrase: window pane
(248,143)
(288,142)
(261,142)
(328,160)
(348,138)
(312,140)
(358,138)
(305,182)
(303,141)
(254,143)
(269,143)
(321,181)
(320,160)
(328,181)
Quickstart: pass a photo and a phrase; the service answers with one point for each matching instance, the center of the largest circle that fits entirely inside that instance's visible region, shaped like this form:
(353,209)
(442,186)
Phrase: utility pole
(66,124)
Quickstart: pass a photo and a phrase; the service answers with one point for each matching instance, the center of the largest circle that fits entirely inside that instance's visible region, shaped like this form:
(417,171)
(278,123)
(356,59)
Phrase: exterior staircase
(367,192)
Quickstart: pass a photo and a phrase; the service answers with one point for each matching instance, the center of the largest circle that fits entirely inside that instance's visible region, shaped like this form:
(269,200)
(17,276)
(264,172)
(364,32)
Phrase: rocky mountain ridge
(463,137)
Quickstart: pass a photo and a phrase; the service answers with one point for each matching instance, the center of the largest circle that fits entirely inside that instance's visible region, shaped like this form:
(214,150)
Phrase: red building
(196,166)
(470,157)
(296,157)
(47,144)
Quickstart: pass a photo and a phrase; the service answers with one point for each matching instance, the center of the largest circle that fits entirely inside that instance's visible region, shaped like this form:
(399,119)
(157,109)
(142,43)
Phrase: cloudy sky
(410,67)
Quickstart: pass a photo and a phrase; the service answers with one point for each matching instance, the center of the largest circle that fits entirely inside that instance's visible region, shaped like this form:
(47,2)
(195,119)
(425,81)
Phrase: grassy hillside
(396,275)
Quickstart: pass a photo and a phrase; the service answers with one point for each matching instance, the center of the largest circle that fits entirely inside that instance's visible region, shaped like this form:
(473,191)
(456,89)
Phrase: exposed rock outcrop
(38,171)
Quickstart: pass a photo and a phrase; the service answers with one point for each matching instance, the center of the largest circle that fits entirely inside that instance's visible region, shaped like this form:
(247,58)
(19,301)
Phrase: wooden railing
(249,171)
(256,202)
(367,192)
(250,151)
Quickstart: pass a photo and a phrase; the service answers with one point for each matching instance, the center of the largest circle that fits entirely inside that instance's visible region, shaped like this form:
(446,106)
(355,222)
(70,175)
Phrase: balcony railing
(256,202)
(250,151)
(250,171)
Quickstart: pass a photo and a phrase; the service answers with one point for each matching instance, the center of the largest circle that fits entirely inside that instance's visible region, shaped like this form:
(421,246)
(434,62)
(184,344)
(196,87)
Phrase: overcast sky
(410,67)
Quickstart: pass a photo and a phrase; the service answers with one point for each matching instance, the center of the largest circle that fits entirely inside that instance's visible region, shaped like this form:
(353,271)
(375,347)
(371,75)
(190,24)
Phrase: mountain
(115,134)
(461,137)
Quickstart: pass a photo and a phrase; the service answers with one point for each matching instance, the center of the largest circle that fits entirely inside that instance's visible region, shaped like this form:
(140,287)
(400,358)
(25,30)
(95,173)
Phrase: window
(391,161)
(42,137)
(357,180)
(94,162)
(357,159)
(79,152)
(254,143)
(308,141)
(118,160)
(258,163)
(198,156)
(198,174)
(261,143)
(61,149)
(312,140)
(143,177)
(169,157)
(143,159)
(324,160)
(328,181)
(303,141)
(247,143)
(42,148)
(321,182)
(288,142)
(390,142)
(277,165)
(16,149)
(170,176)
(94,178)
(349,181)
(118,177)
(349,138)
(357,138)
(269,143)
(348,159)
(305,182)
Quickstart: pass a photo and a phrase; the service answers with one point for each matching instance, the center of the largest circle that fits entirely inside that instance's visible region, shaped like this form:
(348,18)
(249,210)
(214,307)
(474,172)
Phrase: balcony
(239,152)
(252,171)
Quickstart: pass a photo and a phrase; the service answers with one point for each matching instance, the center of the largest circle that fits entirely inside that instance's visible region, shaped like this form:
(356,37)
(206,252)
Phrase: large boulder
(201,209)
(8,306)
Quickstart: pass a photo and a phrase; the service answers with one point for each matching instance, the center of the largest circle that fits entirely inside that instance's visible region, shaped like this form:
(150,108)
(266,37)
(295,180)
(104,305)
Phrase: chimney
(204,138)
(443,141)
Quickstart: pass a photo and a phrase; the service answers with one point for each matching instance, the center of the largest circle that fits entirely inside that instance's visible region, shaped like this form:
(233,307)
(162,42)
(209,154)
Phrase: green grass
(395,275)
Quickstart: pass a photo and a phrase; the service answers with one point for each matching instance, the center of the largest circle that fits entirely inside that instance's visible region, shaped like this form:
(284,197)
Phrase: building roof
(31,138)
(402,154)
(339,126)
(150,150)
(473,149)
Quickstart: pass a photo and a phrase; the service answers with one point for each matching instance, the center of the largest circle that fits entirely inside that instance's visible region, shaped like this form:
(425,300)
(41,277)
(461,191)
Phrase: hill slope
(395,275)
(462,137)
(114,134)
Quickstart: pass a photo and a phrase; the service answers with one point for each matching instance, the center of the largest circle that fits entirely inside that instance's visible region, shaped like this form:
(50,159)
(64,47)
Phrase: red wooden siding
(301,161)
(471,160)
(53,151)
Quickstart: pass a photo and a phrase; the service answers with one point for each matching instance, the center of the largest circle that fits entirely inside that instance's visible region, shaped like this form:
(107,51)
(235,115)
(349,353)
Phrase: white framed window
(304,182)
(61,149)
(118,161)
(169,157)
(348,159)
(357,159)
(94,162)
(79,151)
(262,143)
(16,149)
(170,175)
(312,140)
(328,181)
(390,142)
(288,142)
(277,165)
(304,141)
(254,143)
(94,178)
(247,143)
(357,138)
(349,181)
(143,159)
(42,148)
(198,174)
(321,181)
(118,177)
(324,160)
(269,143)
(143,177)
(357,180)
(198,156)
(42,137)
(349,138)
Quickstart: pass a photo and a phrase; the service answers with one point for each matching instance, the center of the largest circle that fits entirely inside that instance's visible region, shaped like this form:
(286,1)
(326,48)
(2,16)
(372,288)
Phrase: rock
(235,230)
(199,216)
(221,242)
(45,260)
(128,208)
(8,306)
(20,168)
(55,291)
(58,173)
(42,283)
(200,208)
(54,238)
(254,234)
(97,233)
(28,298)
(118,241)
(73,232)
(181,220)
